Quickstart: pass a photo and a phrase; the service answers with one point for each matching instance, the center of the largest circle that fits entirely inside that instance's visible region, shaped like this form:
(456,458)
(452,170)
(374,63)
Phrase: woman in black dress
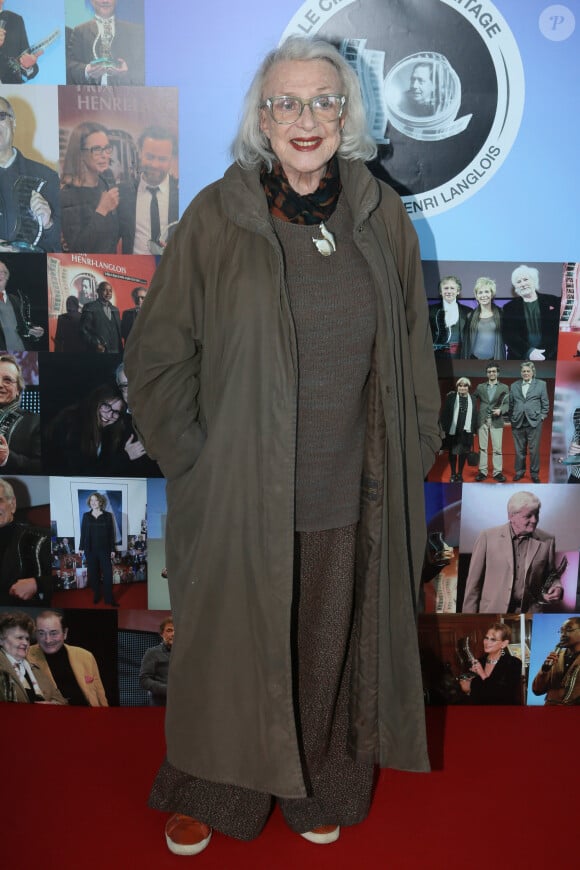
(497,674)
(98,545)
(89,196)
(458,421)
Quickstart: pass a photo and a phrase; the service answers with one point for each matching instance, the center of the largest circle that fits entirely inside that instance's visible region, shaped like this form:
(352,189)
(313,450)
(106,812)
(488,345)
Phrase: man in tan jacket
(72,669)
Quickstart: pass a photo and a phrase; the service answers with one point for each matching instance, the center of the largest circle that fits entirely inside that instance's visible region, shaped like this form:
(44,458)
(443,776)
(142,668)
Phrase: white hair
(527,270)
(521,500)
(251,146)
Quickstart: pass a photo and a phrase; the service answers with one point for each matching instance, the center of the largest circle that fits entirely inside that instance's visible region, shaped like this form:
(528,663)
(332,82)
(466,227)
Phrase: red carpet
(75,785)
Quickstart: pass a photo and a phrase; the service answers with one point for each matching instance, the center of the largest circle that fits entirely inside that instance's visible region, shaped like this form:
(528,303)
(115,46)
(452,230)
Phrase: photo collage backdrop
(96,119)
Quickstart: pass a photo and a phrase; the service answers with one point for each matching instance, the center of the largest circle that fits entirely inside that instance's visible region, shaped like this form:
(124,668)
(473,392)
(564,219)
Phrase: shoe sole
(322,839)
(184,849)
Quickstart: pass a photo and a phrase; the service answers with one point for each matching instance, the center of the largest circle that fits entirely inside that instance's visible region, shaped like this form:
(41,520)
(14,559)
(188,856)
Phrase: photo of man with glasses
(29,195)
(129,317)
(19,429)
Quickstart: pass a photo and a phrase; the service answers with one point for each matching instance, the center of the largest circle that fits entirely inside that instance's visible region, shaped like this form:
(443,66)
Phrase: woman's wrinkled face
(304,147)
(463,389)
(16,642)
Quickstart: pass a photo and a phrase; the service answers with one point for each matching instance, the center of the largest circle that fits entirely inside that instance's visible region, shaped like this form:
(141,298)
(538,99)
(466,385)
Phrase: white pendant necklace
(326,245)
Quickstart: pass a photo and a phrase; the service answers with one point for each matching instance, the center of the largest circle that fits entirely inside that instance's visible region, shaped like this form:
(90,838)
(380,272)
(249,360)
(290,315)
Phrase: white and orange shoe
(323,834)
(186,836)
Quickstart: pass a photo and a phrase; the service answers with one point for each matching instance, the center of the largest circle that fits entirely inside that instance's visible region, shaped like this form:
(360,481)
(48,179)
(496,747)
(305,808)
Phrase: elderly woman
(495,678)
(530,322)
(282,353)
(459,424)
(448,319)
(89,197)
(97,543)
(483,336)
(21,681)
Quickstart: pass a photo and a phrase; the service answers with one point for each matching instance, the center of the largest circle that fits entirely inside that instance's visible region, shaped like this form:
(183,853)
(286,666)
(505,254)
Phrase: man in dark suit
(101,322)
(105,50)
(149,208)
(530,323)
(17,64)
(493,400)
(129,316)
(19,429)
(528,408)
(28,217)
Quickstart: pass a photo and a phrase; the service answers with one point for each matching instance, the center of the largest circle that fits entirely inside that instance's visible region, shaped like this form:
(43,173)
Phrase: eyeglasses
(287,110)
(97,150)
(5,115)
(9,382)
(493,639)
(108,409)
(568,630)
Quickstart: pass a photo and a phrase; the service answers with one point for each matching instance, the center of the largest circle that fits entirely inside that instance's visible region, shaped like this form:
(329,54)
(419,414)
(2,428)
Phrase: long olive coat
(213,388)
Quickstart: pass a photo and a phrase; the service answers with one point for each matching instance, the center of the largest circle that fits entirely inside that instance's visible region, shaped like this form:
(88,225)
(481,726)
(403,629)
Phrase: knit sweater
(334,309)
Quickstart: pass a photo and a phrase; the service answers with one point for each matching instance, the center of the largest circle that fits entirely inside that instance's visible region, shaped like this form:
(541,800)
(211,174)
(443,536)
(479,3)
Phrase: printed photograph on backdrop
(439,575)
(566,425)
(31,42)
(30,214)
(555,660)
(93,302)
(23,302)
(145,640)
(157,585)
(105,42)
(119,168)
(86,421)
(474,659)
(493,310)
(20,441)
(25,568)
(73,653)
(106,520)
(519,549)
(496,420)
(569,339)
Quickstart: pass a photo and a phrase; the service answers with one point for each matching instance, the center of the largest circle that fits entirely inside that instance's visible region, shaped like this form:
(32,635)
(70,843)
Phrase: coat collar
(244,201)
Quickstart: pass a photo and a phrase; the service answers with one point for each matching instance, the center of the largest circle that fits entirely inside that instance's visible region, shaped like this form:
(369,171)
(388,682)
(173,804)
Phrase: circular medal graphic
(442,84)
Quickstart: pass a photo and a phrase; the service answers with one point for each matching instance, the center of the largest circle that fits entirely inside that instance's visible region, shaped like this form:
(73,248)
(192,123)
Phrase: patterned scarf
(288,205)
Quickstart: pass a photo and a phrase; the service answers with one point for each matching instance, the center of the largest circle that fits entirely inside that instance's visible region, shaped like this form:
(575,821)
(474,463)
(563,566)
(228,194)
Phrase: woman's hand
(465,686)
(108,202)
